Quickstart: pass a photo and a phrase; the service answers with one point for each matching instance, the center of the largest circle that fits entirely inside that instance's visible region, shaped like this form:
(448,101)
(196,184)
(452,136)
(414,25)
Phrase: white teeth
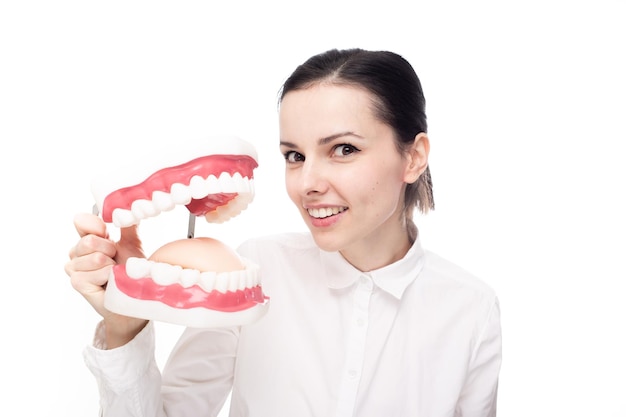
(138,267)
(166,274)
(325,211)
(213,183)
(189,277)
(123,218)
(221,283)
(227,183)
(233,208)
(143,208)
(199,187)
(182,194)
(240,182)
(162,201)
(207,281)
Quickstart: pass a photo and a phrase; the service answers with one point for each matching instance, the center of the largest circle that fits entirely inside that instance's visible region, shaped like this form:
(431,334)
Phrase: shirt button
(360,322)
(352,373)
(364,280)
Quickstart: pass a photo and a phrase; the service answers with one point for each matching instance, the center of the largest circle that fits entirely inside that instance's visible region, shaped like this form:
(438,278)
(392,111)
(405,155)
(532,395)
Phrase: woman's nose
(313,178)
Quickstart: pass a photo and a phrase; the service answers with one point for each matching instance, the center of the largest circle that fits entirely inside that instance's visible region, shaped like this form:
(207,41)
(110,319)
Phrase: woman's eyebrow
(324,140)
(328,139)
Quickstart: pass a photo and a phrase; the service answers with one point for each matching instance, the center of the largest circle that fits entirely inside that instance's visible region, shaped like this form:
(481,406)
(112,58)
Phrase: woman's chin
(325,241)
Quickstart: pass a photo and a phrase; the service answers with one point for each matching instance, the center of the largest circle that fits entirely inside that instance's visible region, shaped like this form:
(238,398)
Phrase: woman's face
(343,170)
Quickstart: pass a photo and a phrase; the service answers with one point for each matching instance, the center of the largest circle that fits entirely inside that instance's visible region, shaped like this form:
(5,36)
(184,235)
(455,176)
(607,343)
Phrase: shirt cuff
(120,368)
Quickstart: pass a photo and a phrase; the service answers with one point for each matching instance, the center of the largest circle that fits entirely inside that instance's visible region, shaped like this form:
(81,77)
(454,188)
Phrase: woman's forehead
(324,105)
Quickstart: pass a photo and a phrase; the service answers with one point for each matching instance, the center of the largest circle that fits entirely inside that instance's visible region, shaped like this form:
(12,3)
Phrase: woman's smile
(325,216)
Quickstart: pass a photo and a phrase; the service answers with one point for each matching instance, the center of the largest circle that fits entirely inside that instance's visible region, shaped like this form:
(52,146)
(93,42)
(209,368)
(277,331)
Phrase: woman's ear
(417,158)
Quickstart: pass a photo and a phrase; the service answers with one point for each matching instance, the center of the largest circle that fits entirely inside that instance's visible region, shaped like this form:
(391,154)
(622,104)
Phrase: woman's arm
(479,395)
(197,377)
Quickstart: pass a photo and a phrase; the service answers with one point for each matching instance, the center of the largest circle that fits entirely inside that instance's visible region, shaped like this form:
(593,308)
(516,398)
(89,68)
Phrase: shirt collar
(393,278)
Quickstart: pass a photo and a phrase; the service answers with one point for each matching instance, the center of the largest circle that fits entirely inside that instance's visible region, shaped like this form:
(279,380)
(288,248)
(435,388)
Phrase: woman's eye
(344,150)
(293,156)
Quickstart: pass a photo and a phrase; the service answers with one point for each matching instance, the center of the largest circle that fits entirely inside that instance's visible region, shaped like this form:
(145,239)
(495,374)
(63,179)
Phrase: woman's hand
(89,267)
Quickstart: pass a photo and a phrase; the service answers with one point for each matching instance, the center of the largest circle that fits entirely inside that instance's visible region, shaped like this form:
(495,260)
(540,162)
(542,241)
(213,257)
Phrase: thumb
(87,223)
(129,245)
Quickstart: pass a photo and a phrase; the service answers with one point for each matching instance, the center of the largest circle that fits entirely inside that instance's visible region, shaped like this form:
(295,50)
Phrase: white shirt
(419,337)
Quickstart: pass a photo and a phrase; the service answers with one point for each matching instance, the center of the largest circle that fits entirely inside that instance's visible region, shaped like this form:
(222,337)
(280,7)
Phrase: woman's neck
(377,252)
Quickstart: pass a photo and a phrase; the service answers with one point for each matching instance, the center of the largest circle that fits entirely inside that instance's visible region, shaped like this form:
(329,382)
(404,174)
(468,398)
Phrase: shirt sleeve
(479,395)
(196,378)
(128,377)
(199,373)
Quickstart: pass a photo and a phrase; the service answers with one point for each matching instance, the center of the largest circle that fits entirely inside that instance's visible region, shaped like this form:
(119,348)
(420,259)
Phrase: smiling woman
(346,175)
(363,321)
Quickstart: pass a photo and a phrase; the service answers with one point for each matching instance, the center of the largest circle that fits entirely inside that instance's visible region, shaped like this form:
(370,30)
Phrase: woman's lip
(323,206)
(325,211)
(326,221)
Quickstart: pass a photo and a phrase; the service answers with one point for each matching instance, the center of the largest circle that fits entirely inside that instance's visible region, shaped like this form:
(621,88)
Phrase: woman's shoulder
(440,271)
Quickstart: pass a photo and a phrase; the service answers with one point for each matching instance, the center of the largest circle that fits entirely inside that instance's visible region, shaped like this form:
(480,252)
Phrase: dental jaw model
(197,281)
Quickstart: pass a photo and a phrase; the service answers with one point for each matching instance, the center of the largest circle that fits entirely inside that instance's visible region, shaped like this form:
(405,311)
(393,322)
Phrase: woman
(363,321)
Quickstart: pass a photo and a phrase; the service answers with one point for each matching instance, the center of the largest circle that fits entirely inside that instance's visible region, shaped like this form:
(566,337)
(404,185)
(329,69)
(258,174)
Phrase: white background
(526,104)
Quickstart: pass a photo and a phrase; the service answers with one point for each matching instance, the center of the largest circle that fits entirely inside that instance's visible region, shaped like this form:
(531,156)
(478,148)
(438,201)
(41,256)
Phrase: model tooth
(199,187)
(238,181)
(123,218)
(247,280)
(221,283)
(230,210)
(227,210)
(220,214)
(233,208)
(207,281)
(137,267)
(143,209)
(227,185)
(250,279)
(244,186)
(242,202)
(243,280)
(180,194)
(250,185)
(252,273)
(236,202)
(189,277)
(165,274)
(162,201)
(213,185)
(233,281)
(211,216)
